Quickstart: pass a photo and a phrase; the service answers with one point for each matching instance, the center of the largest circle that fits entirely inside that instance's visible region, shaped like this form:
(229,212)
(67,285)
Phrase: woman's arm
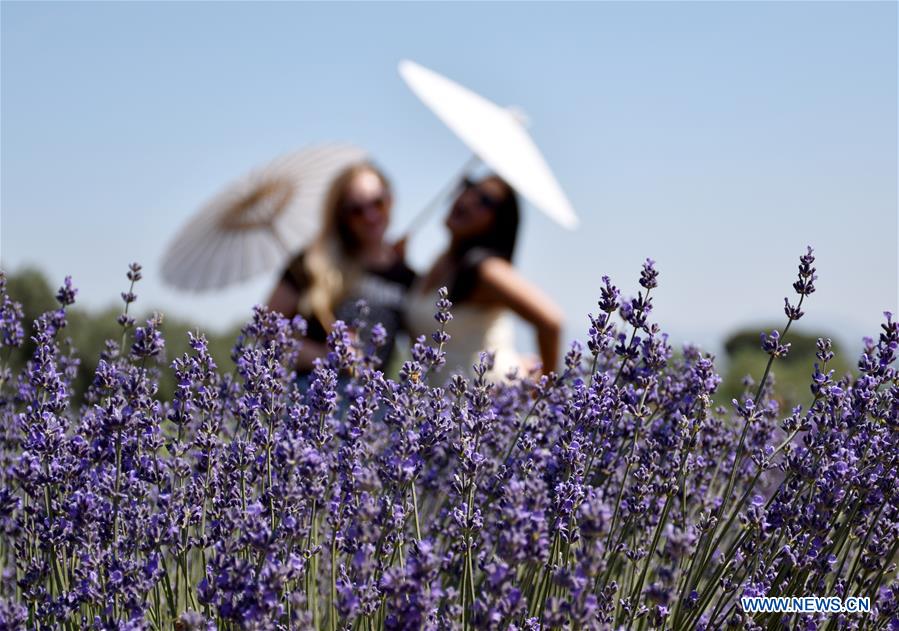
(285,299)
(499,283)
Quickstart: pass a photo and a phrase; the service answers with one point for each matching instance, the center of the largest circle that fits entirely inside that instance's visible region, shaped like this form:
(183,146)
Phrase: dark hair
(499,241)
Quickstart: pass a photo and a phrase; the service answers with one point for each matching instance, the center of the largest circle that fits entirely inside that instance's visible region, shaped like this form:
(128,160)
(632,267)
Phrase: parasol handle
(432,205)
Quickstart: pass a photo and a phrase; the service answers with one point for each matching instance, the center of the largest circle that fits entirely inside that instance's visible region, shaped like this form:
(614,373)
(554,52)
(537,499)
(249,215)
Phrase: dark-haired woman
(348,261)
(484,285)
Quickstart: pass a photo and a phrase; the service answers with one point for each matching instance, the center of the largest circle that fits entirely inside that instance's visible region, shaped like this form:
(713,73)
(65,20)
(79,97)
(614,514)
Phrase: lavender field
(611,495)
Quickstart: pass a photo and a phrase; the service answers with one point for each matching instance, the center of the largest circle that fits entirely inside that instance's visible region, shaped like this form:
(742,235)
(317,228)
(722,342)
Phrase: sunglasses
(467,184)
(380,203)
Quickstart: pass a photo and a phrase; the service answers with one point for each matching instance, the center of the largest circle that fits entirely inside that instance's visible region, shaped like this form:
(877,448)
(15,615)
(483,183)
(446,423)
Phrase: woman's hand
(399,247)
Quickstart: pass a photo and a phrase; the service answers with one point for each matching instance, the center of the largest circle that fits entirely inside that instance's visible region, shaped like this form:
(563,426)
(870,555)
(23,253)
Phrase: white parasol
(258,222)
(494,134)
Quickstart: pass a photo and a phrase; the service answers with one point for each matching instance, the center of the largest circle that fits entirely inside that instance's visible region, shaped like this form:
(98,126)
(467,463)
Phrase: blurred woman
(483,284)
(348,261)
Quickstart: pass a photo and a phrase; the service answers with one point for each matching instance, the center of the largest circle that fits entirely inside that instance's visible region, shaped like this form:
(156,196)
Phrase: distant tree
(30,287)
(89,331)
(745,363)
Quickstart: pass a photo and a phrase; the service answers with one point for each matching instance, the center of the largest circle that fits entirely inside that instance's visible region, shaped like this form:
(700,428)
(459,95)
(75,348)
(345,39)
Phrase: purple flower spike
(618,494)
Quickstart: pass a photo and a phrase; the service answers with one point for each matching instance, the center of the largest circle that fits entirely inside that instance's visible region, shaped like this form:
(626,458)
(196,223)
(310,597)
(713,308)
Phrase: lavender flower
(614,495)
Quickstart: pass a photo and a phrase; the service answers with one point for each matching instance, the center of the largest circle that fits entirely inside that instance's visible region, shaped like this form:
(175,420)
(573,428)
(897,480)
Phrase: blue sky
(716,138)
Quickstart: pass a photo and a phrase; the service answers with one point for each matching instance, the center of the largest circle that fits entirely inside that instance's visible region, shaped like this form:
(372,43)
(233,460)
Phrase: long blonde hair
(331,263)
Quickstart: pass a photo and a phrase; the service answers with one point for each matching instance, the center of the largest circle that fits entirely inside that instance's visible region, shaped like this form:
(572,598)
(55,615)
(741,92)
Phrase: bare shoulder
(497,281)
(496,268)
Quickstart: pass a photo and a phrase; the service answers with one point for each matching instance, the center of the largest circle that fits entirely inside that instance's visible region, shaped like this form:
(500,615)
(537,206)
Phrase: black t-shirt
(383,290)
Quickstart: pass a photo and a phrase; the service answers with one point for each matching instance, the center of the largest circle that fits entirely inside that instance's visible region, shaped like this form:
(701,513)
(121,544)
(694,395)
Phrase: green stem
(415,509)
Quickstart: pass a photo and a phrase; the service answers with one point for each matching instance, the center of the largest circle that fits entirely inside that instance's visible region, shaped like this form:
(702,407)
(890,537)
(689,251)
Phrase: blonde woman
(348,261)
